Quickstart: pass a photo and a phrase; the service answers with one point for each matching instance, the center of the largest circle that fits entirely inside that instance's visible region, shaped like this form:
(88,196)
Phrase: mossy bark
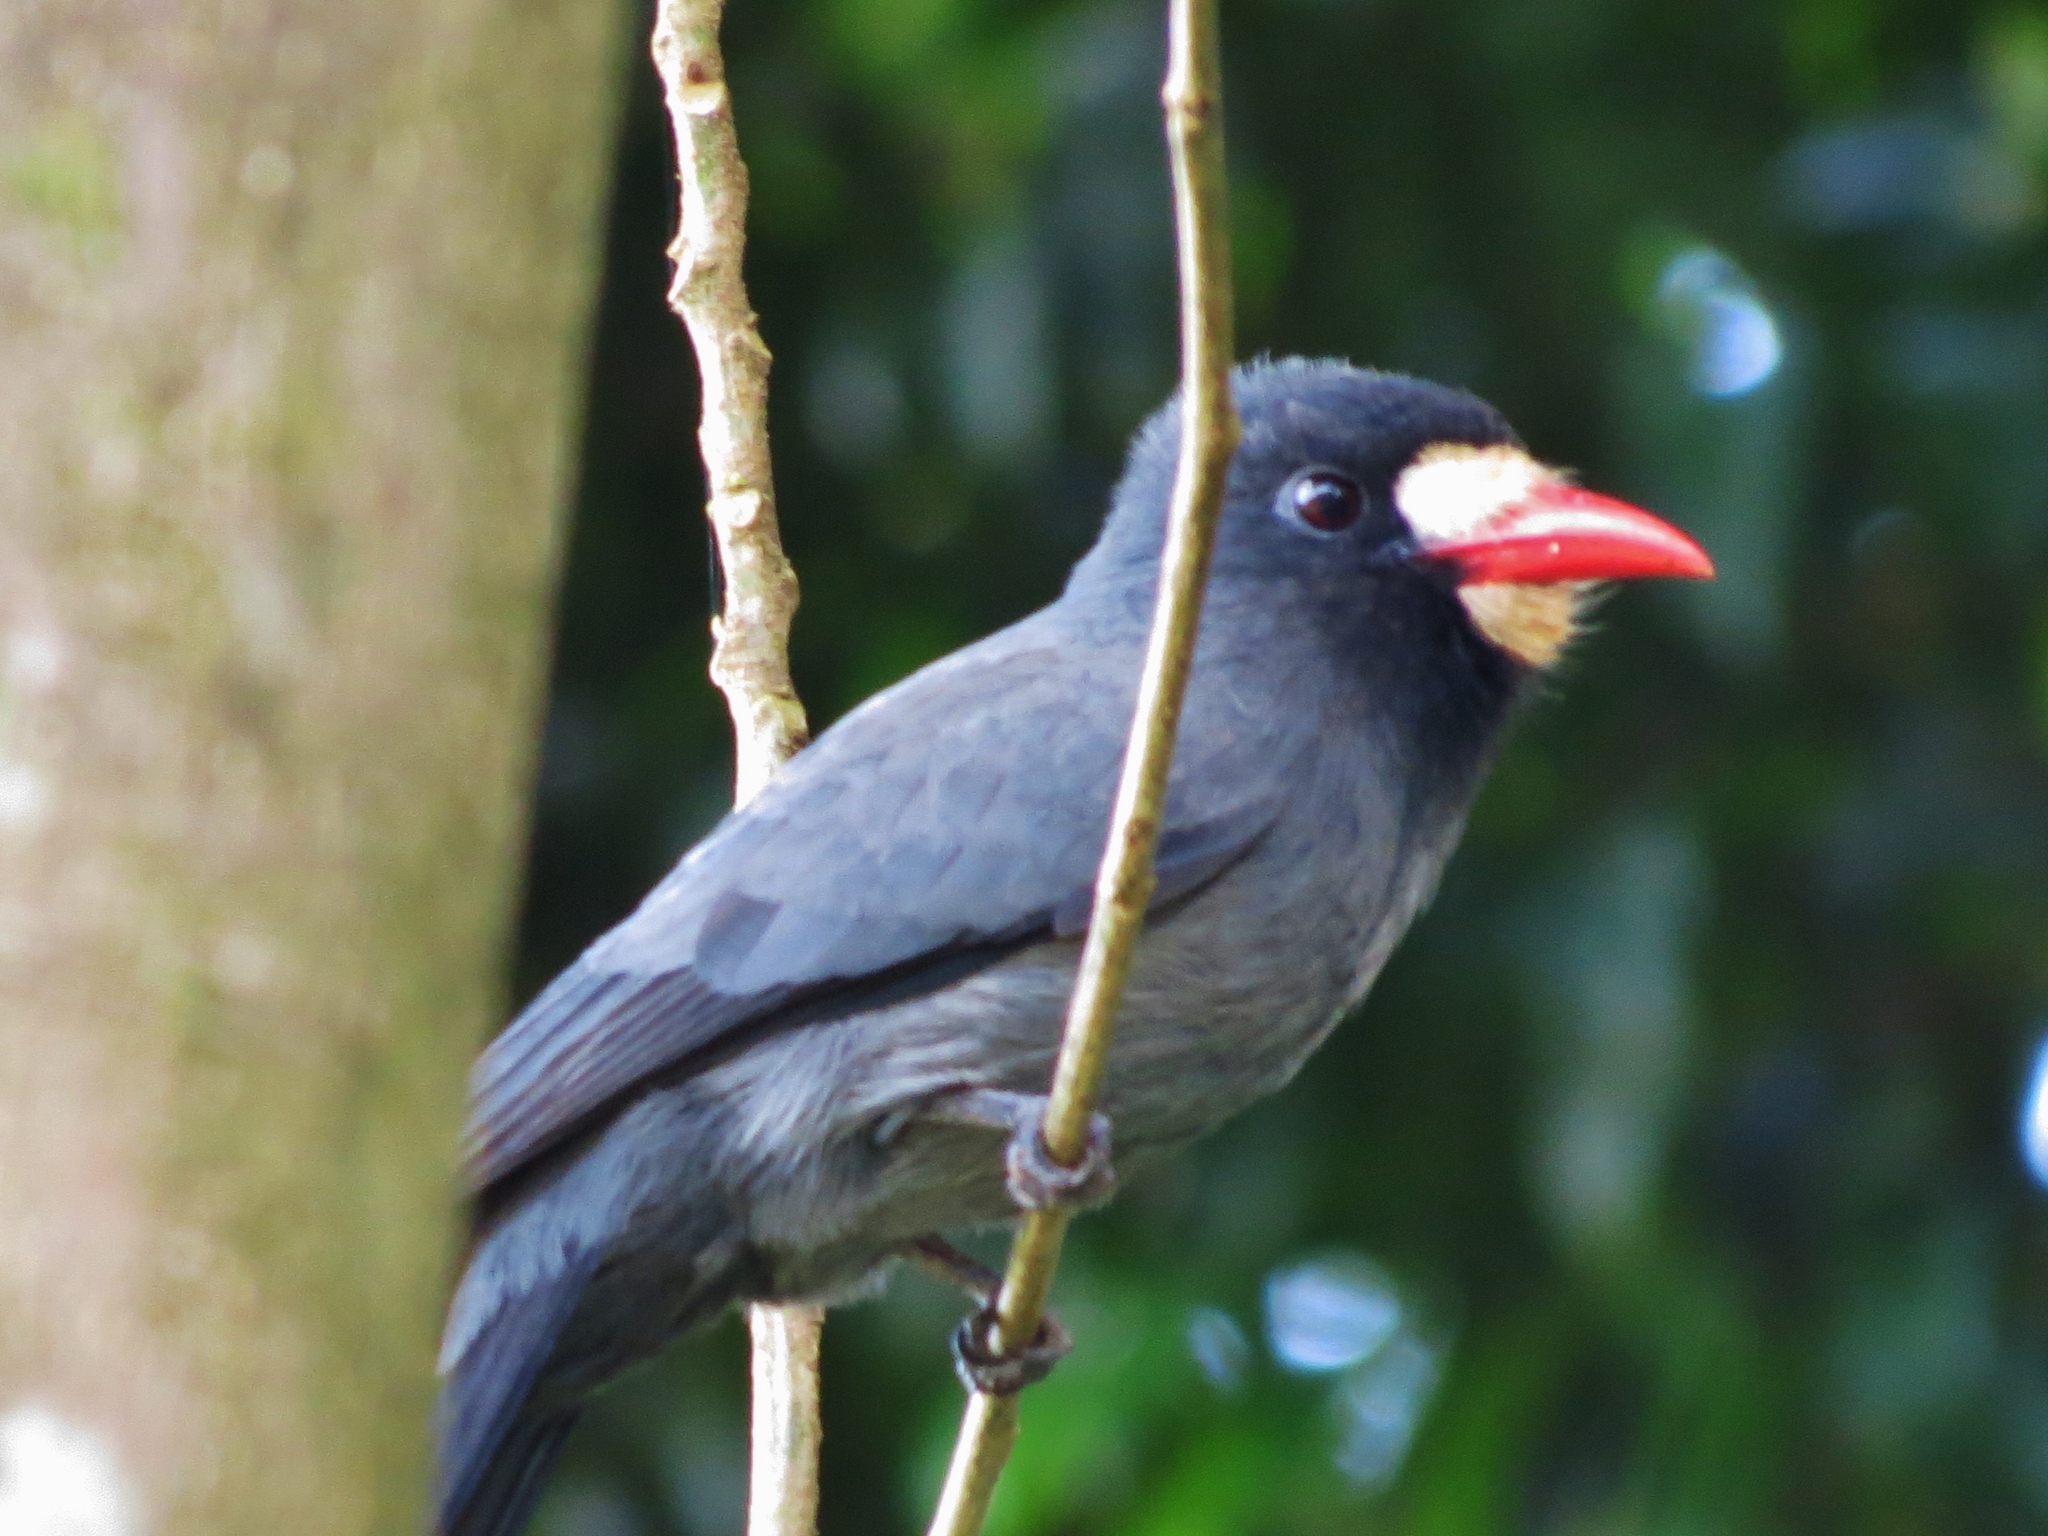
(292,307)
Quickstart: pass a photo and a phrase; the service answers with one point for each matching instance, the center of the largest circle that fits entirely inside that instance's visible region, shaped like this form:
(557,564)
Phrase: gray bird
(825,1036)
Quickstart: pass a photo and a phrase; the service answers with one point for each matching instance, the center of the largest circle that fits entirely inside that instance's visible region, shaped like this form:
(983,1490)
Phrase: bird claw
(1040,1182)
(1037,1180)
(983,1368)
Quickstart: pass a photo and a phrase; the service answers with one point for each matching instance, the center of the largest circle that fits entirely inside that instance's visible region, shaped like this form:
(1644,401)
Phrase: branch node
(701,97)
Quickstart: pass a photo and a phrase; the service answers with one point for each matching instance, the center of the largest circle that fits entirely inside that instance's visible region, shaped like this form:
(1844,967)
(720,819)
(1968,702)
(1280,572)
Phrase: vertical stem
(1193,98)
(782,1477)
(750,657)
(751,661)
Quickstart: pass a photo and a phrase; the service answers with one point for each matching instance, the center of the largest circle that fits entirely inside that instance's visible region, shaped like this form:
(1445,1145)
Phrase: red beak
(1561,533)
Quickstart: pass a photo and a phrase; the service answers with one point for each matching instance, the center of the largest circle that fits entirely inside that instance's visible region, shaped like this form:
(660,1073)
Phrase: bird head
(1356,488)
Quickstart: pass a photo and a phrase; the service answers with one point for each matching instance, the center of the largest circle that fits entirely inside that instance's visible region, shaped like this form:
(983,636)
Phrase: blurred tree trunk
(292,305)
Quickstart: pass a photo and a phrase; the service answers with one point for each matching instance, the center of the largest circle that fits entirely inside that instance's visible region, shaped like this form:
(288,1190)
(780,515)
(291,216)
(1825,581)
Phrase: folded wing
(953,818)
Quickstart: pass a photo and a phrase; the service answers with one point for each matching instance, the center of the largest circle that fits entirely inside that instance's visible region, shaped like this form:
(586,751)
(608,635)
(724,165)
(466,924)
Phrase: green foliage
(1682,1130)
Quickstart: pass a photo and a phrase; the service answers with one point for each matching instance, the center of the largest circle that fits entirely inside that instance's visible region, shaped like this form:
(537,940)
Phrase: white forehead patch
(1452,488)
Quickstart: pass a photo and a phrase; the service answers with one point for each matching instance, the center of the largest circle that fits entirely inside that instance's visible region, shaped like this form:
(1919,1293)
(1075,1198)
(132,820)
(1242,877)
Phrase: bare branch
(1193,98)
(782,1479)
(750,659)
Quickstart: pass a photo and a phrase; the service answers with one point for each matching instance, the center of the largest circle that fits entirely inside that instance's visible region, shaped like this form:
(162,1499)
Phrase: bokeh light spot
(1712,306)
(1326,1314)
(1379,1404)
(1219,1347)
(2034,1117)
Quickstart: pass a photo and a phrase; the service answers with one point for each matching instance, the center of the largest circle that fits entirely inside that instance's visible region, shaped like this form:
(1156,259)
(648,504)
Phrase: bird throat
(1533,624)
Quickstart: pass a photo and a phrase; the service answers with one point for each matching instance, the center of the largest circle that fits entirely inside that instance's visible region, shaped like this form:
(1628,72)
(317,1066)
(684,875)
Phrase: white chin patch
(1451,489)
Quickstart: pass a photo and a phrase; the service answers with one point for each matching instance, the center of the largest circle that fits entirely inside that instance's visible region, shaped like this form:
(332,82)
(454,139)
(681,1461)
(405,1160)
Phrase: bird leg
(1038,1181)
(980,1366)
(965,1273)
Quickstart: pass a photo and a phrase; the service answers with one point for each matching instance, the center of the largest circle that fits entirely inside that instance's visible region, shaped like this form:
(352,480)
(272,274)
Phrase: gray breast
(1230,992)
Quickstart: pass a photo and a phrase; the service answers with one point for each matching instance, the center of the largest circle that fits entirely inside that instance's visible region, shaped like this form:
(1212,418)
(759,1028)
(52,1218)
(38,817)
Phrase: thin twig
(750,656)
(1193,98)
(751,660)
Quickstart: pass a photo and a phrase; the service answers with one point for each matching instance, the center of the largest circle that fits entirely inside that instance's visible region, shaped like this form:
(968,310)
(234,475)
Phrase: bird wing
(944,823)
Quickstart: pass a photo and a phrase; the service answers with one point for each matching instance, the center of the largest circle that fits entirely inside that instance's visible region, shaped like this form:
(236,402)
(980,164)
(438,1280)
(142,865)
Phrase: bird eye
(1326,502)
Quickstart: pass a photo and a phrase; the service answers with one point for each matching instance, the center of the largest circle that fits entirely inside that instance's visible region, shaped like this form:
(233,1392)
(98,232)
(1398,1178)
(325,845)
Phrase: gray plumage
(731,1095)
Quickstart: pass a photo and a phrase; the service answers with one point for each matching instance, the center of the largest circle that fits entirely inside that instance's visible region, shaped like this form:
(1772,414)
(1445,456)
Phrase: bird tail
(505,1488)
(528,1337)
(496,1446)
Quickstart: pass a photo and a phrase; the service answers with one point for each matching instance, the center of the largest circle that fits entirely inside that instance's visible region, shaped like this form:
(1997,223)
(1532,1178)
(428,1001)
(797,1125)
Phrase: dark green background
(1679,1145)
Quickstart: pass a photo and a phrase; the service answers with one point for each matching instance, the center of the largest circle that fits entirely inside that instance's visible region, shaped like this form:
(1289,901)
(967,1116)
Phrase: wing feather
(960,811)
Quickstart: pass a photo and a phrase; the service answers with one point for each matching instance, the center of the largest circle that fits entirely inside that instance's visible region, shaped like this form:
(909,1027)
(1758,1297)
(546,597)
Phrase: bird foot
(1040,1182)
(1037,1180)
(982,1367)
